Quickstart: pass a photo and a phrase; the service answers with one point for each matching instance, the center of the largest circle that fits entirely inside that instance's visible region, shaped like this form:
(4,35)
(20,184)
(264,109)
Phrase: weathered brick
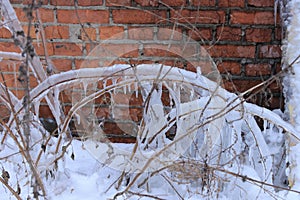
(147,2)
(261,3)
(57,32)
(85,16)
(113,32)
(201,34)
(253,17)
(90,2)
(232,51)
(47,15)
(229,33)
(278,33)
(12,80)
(80,2)
(9,47)
(33,32)
(88,34)
(162,50)
(9,66)
(40,2)
(40,50)
(118,2)
(5,33)
(173,2)
(261,69)
(169,33)
(127,99)
(115,50)
(229,67)
(258,35)
(86,63)
(168,3)
(66,49)
(62,64)
(270,51)
(239,85)
(138,16)
(146,33)
(203,2)
(231,3)
(202,17)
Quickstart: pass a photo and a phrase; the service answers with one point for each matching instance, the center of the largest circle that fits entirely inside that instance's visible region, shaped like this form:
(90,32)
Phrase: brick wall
(242,36)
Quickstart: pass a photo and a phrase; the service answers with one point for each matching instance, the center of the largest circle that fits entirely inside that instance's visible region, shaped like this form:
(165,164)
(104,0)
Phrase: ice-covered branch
(11,56)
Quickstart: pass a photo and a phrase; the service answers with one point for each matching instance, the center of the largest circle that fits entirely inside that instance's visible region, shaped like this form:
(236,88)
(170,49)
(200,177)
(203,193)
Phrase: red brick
(168,3)
(113,32)
(278,33)
(43,2)
(115,50)
(173,2)
(127,99)
(47,15)
(239,85)
(118,2)
(230,67)
(32,32)
(202,17)
(138,16)
(231,3)
(83,63)
(57,32)
(85,16)
(40,50)
(229,33)
(258,17)
(270,51)
(261,3)
(258,69)
(90,2)
(9,66)
(147,2)
(66,49)
(146,33)
(5,33)
(207,67)
(169,33)
(258,35)
(201,34)
(162,50)
(88,34)
(232,51)
(62,64)
(80,2)
(9,47)
(12,81)
(203,2)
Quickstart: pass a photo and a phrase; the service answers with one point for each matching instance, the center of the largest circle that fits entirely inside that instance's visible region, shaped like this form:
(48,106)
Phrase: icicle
(265,127)
(171,99)
(129,88)
(85,85)
(77,116)
(192,94)
(114,82)
(36,108)
(136,89)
